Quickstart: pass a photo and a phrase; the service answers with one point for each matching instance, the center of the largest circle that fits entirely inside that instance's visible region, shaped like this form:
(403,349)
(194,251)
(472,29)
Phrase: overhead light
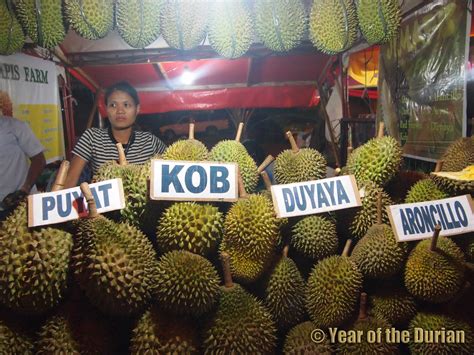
(187,77)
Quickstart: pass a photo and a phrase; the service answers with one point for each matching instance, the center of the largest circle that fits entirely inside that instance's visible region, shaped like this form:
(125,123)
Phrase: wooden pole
(239,131)
(86,192)
(90,119)
(266,180)
(347,247)
(363,306)
(225,258)
(121,154)
(242,192)
(380,132)
(439,166)
(379,208)
(191,130)
(434,239)
(268,160)
(294,146)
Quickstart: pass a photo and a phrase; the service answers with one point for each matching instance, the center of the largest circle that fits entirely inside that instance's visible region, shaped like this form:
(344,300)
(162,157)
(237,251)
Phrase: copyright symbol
(318,336)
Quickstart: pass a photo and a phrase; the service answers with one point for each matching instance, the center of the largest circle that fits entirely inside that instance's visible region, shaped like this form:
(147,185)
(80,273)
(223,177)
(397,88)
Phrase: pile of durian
(333,26)
(230,278)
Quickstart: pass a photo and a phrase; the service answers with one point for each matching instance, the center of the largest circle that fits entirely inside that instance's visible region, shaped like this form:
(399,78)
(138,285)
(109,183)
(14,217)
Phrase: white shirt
(17,143)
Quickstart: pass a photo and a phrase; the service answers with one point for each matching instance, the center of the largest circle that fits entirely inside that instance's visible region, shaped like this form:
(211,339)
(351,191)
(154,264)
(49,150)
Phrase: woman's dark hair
(125,87)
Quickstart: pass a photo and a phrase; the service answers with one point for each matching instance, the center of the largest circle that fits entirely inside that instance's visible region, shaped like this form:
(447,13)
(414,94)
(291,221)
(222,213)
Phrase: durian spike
(266,180)
(294,146)
(242,192)
(363,306)
(121,154)
(239,131)
(381,129)
(434,238)
(86,191)
(347,247)
(265,163)
(61,176)
(337,171)
(225,259)
(439,166)
(191,130)
(285,251)
(379,207)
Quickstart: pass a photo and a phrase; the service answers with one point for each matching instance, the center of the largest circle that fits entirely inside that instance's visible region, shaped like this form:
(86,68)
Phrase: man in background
(17,144)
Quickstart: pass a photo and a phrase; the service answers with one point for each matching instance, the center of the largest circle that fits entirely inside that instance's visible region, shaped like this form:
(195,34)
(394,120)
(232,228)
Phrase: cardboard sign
(317,196)
(193,181)
(414,221)
(69,204)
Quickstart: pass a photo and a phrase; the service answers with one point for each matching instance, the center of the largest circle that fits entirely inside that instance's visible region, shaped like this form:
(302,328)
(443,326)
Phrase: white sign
(317,196)
(414,221)
(203,181)
(69,204)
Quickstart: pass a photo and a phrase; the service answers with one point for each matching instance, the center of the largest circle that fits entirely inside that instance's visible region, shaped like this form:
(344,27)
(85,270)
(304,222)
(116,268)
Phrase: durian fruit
(459,155)
(379,22)
(251,236)
(91,19)
(6,105)
(280,24)
(197,228)
(230,28)
(299,341)
(424,323)
(115,263)
(378,255)
(183,23)
(14,341)
(134,181)
(284,294)
(378,160)
(138,21)
(187,284)
(392,303)
(189,149)
(456,181)
(34,264)
(42,21)
(158,332)
(315,237)
(425,190)
(297,165)
(333,25)
(11,33)
(364,325)
(364,217)
(232,151)
(333,290)
(435,273)
(241,324)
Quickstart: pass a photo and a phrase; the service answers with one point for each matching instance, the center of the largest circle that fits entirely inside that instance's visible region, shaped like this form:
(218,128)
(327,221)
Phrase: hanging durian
(230,28)
(280,24)
(138,21)
(11,33)
(42,21)
(378,21)
(91,19)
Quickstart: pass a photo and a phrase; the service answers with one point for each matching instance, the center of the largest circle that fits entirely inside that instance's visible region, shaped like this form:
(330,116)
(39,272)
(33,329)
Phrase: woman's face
(121,110)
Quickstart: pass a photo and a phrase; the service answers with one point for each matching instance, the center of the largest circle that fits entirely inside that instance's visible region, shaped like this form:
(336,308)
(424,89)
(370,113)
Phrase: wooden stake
(379,208)
(268,160)
(380,133)
(225,258)
(239,131)
(347,247)
(86,192)
(266,180)
(363,306)
(294,146)
(61,176)
(285,251)
(439,166)
(90,119)
(121,154)
(191,130)
(242,192)
(434,238)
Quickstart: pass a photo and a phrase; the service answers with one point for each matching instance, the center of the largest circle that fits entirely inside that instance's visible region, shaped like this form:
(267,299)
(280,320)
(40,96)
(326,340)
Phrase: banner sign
(29,91)
(422,86)
(193,181)
(317,196)
(414,221)
(69,204)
